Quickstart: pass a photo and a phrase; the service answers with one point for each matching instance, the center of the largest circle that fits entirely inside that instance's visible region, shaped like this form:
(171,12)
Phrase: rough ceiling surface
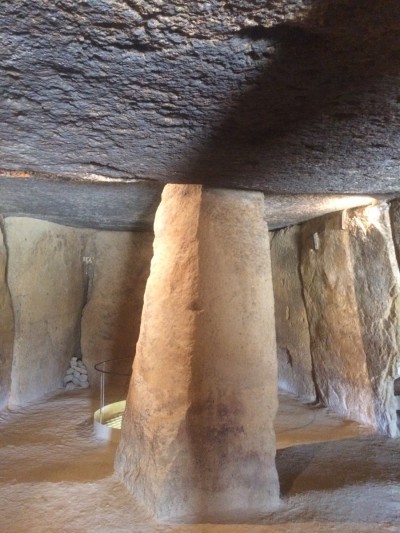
(287,96)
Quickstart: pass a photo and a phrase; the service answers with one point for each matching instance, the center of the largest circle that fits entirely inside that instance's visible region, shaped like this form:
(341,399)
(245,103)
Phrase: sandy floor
(56,477)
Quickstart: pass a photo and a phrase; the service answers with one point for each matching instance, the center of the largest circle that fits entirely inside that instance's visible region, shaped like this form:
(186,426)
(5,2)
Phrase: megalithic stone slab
(197,440)
(6,324)
(351,285)
(295,369)
(46,287)
(395,223)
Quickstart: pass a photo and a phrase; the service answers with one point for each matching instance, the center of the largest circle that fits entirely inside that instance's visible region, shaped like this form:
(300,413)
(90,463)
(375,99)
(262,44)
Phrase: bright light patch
(339,203)
(374,212)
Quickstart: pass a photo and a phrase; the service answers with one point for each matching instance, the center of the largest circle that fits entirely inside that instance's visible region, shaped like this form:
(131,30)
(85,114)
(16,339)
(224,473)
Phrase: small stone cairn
(77,375)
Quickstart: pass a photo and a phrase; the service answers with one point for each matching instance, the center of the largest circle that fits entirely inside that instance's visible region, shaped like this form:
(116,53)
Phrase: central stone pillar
(198,442)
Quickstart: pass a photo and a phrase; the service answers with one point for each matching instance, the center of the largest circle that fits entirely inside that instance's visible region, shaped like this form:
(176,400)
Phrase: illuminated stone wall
(56,274)
(351,285)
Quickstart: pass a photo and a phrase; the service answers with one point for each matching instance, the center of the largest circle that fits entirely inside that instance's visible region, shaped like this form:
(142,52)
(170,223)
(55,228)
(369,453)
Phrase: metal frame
(101,367)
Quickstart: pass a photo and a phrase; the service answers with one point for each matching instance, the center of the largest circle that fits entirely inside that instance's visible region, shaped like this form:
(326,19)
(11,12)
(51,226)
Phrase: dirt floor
(55,476)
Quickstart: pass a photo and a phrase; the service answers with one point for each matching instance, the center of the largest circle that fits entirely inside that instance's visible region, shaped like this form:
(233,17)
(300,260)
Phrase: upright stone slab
(6,327)
(46,285)
(395,220)
(352,287)
(377,288)
(295,370)
(197,439)
(116,272)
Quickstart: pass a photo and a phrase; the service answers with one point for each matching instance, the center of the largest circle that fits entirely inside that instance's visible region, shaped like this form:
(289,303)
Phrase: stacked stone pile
(77,375)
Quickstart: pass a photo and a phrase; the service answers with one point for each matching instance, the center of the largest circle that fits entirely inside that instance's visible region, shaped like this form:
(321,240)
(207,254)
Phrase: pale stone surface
(46,287)
(55,272)
(117,280)
(351,285)
(76,374)
(197,439)
(292,333)
(6,327)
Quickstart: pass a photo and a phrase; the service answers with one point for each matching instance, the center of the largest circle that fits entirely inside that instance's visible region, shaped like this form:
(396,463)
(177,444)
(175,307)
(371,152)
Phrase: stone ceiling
(131,204)
(284,96)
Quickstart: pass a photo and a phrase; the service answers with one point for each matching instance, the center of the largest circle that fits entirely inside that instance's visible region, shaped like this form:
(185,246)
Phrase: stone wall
(6,326)
(55,275)
(337,306)
(351,285)
(395,220)
(292,333)
(45,280)
(377,288)
(117,280)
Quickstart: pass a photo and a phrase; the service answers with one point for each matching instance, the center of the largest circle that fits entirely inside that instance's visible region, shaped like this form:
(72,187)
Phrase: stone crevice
(87,281)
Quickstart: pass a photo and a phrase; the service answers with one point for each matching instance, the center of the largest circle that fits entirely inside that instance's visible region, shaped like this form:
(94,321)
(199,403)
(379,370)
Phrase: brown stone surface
(117,276)
(351,285)
(292,333)
(6,325)
(46,286)
(198,439)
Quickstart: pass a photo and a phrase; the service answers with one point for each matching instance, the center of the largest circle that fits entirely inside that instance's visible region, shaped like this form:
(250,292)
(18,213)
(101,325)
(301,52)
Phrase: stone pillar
(197,440)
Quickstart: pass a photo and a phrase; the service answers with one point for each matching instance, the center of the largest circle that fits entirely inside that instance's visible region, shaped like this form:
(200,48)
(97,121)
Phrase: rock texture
(6,324)
(92,202)
(76,376)
(116,279)
(295,370)
(285,95)
(377,286)
(352,286)
(44,276)
(100,203)
(395,222)
(197,437)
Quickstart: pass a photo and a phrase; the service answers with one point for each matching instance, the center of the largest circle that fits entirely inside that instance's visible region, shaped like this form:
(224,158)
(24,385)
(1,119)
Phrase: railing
(121,366)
